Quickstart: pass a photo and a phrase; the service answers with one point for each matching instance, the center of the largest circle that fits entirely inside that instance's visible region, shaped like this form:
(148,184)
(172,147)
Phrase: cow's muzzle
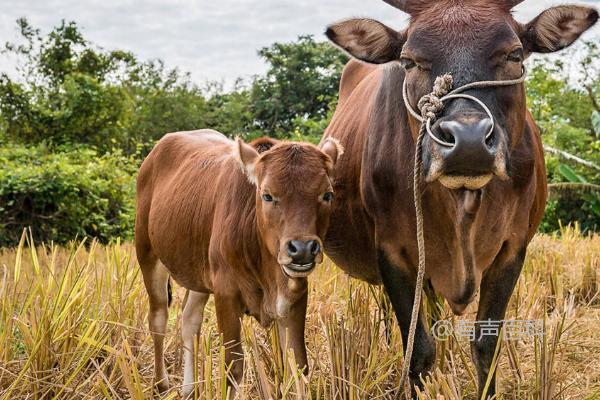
(475,155)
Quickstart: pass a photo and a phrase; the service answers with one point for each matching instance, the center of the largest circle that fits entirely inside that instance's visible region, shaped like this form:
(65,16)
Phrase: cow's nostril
(291,249)
(446,131)
(315,247)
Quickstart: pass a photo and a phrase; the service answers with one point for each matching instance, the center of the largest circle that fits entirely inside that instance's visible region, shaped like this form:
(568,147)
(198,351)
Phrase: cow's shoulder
(352,75)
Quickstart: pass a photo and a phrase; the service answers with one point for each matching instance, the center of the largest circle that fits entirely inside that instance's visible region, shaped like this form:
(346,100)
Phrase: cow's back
(179,186)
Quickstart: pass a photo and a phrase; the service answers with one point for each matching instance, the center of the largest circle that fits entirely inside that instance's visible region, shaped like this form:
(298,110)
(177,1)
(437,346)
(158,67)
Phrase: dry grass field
(73,326)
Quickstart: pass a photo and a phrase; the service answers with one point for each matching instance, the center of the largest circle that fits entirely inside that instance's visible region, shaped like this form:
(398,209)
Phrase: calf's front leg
(496,288)
(291,332)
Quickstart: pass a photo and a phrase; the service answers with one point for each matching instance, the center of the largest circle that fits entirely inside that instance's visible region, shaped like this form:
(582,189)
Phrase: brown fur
(201,221)
(475,239)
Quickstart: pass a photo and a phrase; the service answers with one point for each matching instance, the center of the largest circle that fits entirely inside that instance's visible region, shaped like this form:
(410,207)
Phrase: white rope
(457,93)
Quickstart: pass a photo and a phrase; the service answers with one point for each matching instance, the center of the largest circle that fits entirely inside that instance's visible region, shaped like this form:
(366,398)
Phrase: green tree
(64,94)
(163,101)
(564,111)
(70,92)
(300,84)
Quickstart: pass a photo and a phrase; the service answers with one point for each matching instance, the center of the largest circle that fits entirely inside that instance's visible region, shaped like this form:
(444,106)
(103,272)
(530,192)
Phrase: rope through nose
(430,106)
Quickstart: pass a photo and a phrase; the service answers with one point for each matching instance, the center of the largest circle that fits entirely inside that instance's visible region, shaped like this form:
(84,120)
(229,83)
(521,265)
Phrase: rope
(430,106)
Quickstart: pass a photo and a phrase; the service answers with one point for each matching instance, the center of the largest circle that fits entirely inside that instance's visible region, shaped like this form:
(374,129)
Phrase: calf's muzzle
(303,254)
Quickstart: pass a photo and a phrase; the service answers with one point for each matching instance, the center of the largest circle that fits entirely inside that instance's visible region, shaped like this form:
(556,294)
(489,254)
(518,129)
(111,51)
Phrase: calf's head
(474,40)
(293,198)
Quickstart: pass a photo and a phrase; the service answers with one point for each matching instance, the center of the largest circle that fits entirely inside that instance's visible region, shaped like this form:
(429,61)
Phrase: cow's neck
(453,217)
(457,225)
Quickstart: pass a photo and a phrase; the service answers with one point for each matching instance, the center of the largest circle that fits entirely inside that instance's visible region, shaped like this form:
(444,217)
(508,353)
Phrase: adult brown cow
(249,235)
(485,179)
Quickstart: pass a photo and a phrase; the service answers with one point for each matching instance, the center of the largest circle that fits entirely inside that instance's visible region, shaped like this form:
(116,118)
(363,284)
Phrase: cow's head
(293,198)
(474,40)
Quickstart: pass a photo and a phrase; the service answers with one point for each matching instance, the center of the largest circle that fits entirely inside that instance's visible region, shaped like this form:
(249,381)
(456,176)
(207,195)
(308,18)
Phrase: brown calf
(485,183)
(243,222)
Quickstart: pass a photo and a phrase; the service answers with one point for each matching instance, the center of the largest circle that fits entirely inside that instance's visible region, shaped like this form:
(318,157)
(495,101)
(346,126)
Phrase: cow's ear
(367,39)
(557,28)
(333,148)
(246,156)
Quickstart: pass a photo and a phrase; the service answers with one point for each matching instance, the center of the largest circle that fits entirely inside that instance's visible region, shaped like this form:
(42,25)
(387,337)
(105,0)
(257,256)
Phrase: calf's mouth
(298,270)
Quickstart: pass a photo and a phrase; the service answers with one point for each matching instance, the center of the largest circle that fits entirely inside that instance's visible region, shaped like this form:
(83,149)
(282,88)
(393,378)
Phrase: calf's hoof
(162,385)
(187,393)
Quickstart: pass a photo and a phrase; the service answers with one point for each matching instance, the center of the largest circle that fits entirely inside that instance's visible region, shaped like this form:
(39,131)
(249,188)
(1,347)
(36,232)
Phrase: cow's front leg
(229,312)
(291,332)
(399,284)
(496,288)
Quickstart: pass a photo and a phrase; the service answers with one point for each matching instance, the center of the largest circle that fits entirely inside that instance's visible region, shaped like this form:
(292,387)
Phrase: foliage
(64,94)
(565,111)
(80,110)
(161,101)
(69,92)
(301,82)
(64,195)
(231,112)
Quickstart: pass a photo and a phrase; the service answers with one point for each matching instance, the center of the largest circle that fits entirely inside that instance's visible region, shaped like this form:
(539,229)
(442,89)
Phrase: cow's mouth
(298,270)
(455,182)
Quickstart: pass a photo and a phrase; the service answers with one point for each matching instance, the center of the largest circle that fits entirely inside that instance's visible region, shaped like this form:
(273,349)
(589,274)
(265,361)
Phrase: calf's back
(193,201)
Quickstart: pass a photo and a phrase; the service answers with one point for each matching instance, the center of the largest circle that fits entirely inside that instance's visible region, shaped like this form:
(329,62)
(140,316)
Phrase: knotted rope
(430,106)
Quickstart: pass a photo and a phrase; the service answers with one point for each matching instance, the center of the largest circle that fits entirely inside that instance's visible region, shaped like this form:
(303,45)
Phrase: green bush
(61,195)
(81,110)
(564,111)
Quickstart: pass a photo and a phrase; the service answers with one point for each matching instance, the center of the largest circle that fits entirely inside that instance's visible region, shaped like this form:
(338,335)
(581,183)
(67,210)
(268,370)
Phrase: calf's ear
(557,28)
(246,156)
(367,39)
(264,144)
(333,148)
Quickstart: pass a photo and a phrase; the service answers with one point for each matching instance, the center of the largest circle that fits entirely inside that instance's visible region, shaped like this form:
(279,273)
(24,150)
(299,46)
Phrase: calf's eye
(267,197)
(328,196)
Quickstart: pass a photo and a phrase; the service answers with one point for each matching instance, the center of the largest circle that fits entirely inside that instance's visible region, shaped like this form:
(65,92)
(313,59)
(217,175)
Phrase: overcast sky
(214,40)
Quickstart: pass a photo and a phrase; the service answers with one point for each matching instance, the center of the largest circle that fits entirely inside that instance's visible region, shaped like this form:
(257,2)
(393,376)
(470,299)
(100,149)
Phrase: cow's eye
(515,56)
(328,196)
(267,197)
(407,63)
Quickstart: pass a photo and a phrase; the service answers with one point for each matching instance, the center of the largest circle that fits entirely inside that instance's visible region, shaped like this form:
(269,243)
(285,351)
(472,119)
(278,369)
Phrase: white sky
(214,40)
